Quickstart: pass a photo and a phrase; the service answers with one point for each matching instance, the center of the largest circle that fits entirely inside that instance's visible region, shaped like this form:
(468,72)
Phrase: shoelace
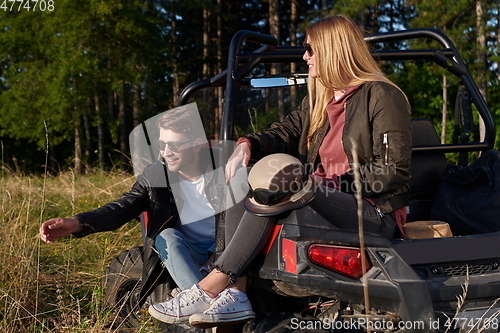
(185,298)
(223,300)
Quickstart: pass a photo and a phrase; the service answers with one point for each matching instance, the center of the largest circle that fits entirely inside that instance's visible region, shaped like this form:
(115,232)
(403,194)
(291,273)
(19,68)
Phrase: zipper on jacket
(385,141)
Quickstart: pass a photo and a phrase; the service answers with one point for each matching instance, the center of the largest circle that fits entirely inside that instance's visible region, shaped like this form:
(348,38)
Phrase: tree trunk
(78,145)
(206,42)
(136,107)
(481,58)
(111,104)
(324,6)
(111,99)
(498,36)
(219,91)
(100,131)
(88,138)
(444,110)
(207,96)
(293,42)
(175,74)
(122,118)
(274,27)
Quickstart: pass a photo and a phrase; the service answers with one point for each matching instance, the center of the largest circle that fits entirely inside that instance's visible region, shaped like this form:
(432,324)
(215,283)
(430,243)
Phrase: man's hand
(240,155)
(59,227)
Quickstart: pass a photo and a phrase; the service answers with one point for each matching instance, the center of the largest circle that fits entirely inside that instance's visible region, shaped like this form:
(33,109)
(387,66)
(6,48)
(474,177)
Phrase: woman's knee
(232,221)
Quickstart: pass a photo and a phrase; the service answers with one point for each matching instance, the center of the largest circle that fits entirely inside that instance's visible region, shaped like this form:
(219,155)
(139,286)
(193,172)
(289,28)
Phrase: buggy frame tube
(240,64)
(231,82)
(417,33)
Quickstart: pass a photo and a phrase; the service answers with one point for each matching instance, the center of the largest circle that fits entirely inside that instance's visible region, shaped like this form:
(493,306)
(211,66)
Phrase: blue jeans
(182,259)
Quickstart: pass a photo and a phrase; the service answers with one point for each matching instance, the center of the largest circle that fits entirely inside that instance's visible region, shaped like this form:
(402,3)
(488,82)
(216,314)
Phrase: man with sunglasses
(179,194)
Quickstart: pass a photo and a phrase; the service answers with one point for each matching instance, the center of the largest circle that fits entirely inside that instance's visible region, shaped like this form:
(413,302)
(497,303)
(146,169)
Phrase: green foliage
(65,72)
(55,63)
(458,20)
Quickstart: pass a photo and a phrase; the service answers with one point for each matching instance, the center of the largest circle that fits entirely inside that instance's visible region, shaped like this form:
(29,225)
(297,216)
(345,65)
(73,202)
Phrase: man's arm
(108,217)
(59,227)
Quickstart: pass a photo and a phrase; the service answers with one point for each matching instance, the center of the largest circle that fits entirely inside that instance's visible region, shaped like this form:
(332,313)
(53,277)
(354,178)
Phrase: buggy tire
(122,284)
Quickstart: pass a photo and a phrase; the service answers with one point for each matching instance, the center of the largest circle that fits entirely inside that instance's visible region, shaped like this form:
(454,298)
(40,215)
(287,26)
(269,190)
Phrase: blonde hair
(343,60)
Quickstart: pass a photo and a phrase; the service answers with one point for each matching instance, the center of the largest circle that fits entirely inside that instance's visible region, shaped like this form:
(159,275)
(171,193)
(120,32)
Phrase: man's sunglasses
(173,146)
(309,49)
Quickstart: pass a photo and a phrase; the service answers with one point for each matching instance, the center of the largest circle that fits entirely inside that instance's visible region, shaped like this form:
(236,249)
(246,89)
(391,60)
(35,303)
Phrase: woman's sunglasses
(267,197)
(309,49)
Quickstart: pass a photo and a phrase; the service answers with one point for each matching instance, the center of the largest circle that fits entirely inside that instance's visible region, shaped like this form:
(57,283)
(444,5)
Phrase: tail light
(343,260)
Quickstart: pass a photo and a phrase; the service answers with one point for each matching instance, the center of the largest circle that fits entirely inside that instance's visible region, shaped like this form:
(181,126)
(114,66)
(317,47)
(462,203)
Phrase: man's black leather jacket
(152,193)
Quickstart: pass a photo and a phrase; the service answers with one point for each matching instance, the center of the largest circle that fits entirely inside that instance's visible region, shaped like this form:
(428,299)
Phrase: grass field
(56,288)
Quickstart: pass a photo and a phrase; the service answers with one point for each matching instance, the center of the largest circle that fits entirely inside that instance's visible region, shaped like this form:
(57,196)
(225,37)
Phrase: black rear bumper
(407,277)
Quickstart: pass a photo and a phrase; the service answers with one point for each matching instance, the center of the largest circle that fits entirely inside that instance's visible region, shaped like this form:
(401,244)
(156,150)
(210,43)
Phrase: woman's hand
(240,155)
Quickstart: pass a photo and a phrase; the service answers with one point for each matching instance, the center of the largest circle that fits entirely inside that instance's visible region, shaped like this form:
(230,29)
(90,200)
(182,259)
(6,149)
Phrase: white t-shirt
(197,215)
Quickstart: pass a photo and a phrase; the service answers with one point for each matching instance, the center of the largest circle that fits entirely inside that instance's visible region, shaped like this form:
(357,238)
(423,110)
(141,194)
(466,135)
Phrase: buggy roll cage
(241,64)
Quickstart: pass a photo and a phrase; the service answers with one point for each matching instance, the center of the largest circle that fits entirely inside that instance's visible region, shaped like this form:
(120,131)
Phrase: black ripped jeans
(246,234)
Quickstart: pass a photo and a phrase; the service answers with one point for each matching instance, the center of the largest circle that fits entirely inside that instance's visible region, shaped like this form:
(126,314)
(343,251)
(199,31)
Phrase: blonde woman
(350,104)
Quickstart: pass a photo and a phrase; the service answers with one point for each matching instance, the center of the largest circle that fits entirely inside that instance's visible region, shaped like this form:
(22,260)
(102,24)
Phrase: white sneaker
(178,309)
(176,291)
(231,306)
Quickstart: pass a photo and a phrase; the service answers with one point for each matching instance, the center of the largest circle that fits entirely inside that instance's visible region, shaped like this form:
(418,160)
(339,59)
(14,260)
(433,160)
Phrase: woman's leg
(231,305)
(233,218)
(341,209)
(245,238)
(216,281)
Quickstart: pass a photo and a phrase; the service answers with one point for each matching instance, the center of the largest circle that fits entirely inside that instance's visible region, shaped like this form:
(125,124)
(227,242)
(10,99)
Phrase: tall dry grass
(56,288)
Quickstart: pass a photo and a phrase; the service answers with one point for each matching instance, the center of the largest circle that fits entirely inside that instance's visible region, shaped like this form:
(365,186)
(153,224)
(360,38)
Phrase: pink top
(333,160)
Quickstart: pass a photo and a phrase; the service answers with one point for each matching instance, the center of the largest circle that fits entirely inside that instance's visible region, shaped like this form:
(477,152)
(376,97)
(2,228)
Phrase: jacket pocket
(386,146)
(384,151)
(395,148)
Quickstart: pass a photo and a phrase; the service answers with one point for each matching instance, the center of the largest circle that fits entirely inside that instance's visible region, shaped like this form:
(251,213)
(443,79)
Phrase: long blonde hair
(343,60)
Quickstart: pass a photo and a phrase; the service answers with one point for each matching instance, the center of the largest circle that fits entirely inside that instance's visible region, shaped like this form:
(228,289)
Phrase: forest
(77,76)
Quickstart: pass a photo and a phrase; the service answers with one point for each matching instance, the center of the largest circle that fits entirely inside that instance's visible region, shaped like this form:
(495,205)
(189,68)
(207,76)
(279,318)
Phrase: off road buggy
(436,284)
